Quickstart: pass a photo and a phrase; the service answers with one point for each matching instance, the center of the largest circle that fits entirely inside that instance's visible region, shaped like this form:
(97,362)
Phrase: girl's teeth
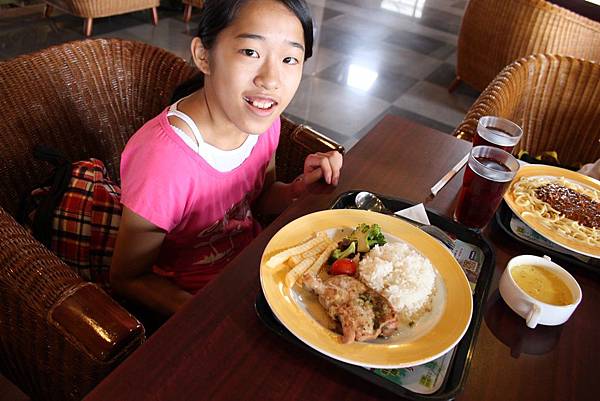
(262,105)
(258,104)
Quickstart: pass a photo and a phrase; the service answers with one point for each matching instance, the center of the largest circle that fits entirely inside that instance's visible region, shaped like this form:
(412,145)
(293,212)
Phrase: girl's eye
(290,60)
(249,53)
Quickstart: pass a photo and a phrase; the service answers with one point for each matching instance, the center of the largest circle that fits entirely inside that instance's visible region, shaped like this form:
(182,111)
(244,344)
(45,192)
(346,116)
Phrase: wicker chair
(90,9)
(495,33)
(60,335)
(555,99)
(187,12)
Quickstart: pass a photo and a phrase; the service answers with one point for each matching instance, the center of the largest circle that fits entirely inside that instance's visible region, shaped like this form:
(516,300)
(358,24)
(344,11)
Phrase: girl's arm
(277,195)
(136,249)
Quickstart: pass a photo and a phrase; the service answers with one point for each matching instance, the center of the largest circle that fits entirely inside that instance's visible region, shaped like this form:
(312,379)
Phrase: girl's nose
(268,76)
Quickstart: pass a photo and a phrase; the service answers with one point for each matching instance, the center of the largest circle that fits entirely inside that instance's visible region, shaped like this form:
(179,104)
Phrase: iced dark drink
(498,132)
(488,173)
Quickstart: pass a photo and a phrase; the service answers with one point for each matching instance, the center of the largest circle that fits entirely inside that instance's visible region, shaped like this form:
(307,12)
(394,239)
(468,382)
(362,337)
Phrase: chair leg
(154,16)
(87,26)
(48,10)
(187,13)
(454,84)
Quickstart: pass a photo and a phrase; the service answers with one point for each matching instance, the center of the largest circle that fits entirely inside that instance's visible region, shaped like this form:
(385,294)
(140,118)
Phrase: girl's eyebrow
(259,37)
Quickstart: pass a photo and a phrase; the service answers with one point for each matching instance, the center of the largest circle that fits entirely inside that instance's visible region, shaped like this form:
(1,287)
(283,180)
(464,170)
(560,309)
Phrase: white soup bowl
(531,309)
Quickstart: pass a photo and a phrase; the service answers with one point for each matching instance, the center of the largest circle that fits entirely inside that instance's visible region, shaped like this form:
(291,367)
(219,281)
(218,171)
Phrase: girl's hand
(590,169)
(323,165)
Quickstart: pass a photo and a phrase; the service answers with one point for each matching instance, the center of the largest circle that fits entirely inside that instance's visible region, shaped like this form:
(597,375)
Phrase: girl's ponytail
(188,87)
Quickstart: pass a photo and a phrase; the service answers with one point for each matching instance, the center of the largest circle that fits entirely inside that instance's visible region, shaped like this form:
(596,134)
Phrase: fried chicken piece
(363,313)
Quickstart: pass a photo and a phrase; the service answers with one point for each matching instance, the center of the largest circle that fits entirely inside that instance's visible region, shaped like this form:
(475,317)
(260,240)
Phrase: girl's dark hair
(217,15)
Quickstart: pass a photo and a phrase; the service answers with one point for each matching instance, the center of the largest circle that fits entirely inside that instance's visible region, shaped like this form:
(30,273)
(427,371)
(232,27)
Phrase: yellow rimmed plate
(537,222)
(432,336)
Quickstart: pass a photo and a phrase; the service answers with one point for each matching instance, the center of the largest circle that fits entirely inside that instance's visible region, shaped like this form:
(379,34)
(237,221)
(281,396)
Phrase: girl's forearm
(278,196)
(136,250)
(154,292)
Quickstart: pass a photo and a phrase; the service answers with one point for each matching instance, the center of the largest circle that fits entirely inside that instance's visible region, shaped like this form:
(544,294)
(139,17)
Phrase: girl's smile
(263,106)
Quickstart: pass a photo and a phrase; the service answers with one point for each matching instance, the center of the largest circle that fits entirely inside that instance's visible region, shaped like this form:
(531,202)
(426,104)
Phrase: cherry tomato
(343,266)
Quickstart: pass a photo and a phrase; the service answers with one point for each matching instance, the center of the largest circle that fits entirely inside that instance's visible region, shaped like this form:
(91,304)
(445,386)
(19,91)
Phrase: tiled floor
(371,57)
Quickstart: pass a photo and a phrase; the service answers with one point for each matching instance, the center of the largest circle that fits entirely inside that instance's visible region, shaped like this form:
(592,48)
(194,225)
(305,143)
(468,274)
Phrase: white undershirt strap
(190,123)
(221,160)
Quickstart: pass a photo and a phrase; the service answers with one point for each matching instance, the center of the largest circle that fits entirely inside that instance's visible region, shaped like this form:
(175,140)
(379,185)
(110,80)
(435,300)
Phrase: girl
(191,175)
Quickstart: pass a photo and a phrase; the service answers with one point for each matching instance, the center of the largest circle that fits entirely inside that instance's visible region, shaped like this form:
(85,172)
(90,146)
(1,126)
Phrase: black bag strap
(51,155)
(58,182)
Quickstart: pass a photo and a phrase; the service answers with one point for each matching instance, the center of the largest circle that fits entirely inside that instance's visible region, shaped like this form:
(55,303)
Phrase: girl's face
(255,66)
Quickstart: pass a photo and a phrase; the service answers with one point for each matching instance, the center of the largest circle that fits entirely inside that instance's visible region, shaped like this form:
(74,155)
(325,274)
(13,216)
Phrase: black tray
(459,365)
(503,217)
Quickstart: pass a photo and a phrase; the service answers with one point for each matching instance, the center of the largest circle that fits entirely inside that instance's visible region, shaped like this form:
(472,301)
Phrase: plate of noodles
(559,204)
(418,276)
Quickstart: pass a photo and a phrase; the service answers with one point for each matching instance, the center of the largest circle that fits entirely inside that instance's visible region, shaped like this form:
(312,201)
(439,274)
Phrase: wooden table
(217,349)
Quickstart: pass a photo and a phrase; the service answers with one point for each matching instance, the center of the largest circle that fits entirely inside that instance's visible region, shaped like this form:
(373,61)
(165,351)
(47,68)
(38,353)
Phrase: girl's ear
(200,56)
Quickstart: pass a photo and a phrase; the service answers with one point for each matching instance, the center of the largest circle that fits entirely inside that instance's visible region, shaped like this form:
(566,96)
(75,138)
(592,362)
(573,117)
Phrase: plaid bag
(76,214)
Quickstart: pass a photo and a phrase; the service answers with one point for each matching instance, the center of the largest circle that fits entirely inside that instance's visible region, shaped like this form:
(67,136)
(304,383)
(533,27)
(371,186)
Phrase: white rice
(402,275)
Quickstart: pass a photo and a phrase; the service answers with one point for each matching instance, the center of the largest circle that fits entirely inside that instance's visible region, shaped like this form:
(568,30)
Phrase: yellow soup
(542,284)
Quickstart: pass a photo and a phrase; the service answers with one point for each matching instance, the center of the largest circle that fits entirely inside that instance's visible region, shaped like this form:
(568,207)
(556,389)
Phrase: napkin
(415,213)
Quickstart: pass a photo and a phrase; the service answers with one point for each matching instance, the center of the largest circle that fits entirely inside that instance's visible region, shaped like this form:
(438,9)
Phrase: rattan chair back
(89,9)
(495,33)
(84,98)
(555,99)
(105,8)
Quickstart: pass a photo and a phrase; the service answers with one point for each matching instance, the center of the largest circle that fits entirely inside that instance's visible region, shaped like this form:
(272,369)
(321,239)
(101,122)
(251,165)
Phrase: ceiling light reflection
(412,8)
(360,77)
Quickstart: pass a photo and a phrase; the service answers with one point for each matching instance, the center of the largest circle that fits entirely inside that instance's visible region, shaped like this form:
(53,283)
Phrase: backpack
(76,214)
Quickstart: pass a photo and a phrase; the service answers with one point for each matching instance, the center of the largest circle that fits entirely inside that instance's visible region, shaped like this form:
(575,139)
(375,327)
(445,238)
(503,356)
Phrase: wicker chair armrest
(60,335)
(295,143)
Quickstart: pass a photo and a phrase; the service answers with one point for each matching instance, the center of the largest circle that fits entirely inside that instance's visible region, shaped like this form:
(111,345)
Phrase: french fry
(311,253)
(294,260)
(292,276)
(284,255)
(316,266)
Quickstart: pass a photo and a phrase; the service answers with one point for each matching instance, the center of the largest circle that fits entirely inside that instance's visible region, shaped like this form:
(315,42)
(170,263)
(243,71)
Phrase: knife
(446,178)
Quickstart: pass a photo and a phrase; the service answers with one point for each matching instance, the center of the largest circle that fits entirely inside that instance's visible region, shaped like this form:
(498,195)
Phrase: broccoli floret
(375,236)
(360,236)
(367,237)
(340,254)
(363,228)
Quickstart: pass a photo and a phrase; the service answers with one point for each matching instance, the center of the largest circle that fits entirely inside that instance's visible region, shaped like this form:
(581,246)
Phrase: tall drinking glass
(488,173)
(498,132)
